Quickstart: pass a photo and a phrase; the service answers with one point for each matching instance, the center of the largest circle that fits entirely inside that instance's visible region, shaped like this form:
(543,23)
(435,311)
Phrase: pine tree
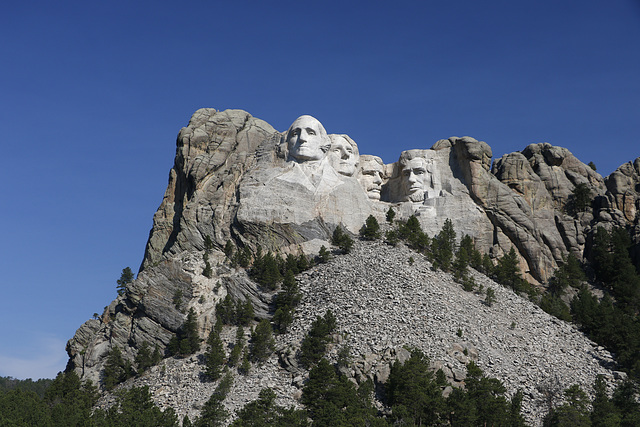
(186,341)
(238,347)
(443,245)
(371,229)
(262,342)
(125,279)
(214,356)
(391,214)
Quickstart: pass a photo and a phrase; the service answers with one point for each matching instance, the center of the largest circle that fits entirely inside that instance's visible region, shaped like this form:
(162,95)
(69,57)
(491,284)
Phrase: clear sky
(93,94)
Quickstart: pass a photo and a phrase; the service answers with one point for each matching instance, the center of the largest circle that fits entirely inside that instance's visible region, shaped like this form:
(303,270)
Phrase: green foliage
(215,356)
(116,369)
(574,412)
(69,400)
(555,306)
(244,312)
(507,273)
(262,342)
(235,312)
(391,237)
(125,279)
(135,408)
(324,255)
(146,358)
(39,386)
(238,347)
(391,214)
(371,229)
(315,342)
(443,246)
(332,400)
(592,166)
(342,240)
(245,366)
(266,270)
(207,271)
(490,297)
(186,341)
(264,412)
(229,249)
(208,243)
(177,298)
(580,200)
(414,395)
(213,412)
(411,232)
(285,303)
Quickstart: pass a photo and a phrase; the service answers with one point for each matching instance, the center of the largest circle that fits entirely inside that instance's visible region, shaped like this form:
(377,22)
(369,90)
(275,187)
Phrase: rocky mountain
(236,179)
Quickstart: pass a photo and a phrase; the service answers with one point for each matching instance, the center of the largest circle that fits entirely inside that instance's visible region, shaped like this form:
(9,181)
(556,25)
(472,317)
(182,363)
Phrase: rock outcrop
(237,179)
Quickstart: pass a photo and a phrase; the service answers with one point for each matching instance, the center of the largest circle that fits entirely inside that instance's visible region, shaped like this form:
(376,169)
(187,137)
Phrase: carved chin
(374,194)
(417,196)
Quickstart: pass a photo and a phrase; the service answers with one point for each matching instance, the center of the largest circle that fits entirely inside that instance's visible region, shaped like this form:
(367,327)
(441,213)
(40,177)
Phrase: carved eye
(311,131)
(295,132)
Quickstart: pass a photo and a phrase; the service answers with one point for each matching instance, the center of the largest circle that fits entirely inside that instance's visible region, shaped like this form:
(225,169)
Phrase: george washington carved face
(307,140)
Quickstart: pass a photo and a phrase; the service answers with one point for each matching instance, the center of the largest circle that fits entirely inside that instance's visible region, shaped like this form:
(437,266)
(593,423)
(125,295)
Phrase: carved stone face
(415,179)
(343,155)
(371,176)
(307,140)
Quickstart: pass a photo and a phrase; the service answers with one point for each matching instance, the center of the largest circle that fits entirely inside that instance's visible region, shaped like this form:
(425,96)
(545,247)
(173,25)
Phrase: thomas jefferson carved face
(415,178)
(343,155)
(307,140)
(371,175)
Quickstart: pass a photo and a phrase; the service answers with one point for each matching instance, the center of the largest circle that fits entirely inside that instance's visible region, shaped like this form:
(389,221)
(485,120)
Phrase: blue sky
(93,94)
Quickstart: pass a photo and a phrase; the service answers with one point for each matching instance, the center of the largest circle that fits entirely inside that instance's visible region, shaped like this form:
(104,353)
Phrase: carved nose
(345,155)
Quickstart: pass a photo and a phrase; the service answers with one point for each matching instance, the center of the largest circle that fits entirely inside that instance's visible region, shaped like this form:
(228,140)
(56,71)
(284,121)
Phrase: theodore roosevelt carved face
(343,155)
(307,140)
(371,175)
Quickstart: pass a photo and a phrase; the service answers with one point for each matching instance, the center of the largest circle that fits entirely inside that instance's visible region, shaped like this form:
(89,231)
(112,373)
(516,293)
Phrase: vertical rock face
(237,179)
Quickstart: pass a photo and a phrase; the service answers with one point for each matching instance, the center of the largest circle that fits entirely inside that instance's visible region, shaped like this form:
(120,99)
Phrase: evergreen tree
(580,199)
(264,412)
(238,347)
(229,249)
(574,412)
(145,358)
(371,229)
(244,312)
(125,279)
(604,412)
(186,341)
(285,303)
(342,240)
(116,370)
(391,214)
(213,412)
(314,344)
(324,255)
(443,246)
(135,408)
(262,342)
(69,400)
(226,310)
(214,356)
(332,400)
(414,395)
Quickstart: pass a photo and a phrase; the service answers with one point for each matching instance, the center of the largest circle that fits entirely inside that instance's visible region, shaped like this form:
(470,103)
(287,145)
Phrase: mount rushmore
(237,179)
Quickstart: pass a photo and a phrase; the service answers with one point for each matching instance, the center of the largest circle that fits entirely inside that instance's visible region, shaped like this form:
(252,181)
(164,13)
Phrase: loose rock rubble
(384,305)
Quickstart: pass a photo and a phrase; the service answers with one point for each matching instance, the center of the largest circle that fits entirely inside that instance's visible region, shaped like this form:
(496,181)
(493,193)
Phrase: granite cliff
(237,179)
